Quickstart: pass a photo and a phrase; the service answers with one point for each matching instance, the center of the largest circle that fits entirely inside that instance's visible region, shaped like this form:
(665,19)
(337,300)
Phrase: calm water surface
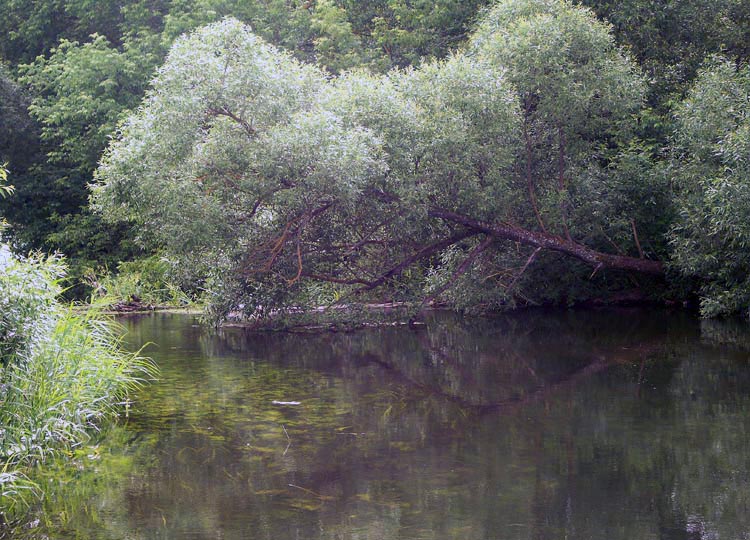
(612,424)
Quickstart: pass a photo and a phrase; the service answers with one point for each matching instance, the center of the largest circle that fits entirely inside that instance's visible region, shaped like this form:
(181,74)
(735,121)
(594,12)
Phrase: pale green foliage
(5,189)
(375,103)
(149,281)
(448,129)
(471,123)
(238,140)
(27,295)
(230,147)
(563,62)
(217,88)
(245,162)
(711,170)
(577,92)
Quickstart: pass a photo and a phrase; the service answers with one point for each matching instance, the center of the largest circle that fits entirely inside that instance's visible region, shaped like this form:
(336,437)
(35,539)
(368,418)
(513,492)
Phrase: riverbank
(350,317)
(63,375)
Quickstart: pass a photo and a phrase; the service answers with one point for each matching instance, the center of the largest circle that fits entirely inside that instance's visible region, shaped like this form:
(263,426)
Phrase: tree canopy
(292,153)
(81,65)
(245,160)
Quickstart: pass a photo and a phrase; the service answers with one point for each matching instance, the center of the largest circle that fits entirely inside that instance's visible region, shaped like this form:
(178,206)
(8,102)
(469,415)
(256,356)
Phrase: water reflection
(591,424)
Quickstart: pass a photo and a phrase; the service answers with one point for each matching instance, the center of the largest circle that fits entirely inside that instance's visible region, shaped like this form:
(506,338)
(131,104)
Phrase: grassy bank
(62,375)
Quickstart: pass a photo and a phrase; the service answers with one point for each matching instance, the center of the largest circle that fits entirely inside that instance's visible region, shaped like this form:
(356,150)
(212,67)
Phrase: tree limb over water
(507,231)
(282,189)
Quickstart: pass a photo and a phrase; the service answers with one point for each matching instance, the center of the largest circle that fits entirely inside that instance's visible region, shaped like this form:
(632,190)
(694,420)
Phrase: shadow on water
(537,425)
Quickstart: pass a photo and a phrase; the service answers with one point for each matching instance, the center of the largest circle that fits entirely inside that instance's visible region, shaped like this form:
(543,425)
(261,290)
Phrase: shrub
(149,280)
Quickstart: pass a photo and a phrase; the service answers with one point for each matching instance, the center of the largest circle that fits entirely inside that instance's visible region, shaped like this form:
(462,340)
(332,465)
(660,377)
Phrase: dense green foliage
(589,152)
(711,238)
(83,64)
(142,283)
(267,173)
(670,39)
(385,32)
(577,95)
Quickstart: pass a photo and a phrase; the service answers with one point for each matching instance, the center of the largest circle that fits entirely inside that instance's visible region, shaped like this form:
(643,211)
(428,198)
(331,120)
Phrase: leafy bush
(711,172)
(27,299)
(149,280)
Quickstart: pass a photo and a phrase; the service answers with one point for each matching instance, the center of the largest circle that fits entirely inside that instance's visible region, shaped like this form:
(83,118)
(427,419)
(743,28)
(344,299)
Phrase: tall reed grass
(62,373)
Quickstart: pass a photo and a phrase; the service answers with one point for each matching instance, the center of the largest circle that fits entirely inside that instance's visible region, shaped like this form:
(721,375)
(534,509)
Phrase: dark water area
(597,424)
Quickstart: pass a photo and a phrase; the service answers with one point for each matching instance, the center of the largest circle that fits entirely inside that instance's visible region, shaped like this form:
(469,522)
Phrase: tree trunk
(507,231)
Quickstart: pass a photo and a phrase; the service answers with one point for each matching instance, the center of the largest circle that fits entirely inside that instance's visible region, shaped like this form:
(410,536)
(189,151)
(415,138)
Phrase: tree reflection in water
(567,424)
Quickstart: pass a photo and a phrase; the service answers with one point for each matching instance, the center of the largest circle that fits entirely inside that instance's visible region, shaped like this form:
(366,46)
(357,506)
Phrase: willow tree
(711,171)
(271,178)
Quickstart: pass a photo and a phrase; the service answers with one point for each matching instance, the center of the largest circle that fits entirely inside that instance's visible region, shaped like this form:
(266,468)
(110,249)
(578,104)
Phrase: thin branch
(637,241)
(530,177)
(618,249)
(365,240)
(223,111)
(256,206)
(421,254)
(561,182)
(299,261)
(382,196)
(278,247)
(530,260)
(311,492)
(331,279)
(461,270)
(288,438)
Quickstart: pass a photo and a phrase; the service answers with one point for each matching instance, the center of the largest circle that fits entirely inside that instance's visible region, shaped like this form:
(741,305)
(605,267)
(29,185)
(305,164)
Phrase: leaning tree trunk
(507,231)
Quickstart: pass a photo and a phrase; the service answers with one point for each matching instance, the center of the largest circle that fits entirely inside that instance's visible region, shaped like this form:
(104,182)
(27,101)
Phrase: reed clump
(62,374)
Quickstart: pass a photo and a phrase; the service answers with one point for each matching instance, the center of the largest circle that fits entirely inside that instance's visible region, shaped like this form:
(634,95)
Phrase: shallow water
(606,424)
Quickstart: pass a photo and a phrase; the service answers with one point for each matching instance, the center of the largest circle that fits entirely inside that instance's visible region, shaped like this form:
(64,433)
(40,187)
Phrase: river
(596,424)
